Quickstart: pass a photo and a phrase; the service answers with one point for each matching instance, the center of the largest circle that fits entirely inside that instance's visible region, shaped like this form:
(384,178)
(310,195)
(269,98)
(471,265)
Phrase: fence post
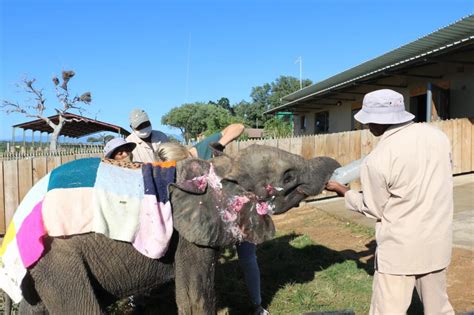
(10,175)
(466,146)
(2,201)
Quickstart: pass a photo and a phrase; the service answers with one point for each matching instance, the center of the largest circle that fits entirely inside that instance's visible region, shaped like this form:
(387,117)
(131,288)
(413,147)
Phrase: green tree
(276,127)
(182,118)
(101,138)
(283,86)
(224,103)
(269,96)
(260,97)
(249,114)
(198,118)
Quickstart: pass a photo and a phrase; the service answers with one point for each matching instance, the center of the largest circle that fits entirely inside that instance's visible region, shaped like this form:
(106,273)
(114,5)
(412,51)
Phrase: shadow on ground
(280,263)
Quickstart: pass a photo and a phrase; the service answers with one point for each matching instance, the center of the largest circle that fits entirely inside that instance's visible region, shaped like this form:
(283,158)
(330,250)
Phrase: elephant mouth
(292,198)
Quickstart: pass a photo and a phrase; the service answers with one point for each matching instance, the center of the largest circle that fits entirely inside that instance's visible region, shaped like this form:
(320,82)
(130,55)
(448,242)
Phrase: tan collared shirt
(145,152)
(407,186)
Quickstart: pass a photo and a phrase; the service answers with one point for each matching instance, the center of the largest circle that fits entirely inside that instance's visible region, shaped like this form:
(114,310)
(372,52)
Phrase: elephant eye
(288,177)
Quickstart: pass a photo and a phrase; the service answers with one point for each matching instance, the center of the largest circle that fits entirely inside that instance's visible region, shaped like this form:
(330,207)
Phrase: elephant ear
(222,214)
(194,220)
(190,174)
(222,165)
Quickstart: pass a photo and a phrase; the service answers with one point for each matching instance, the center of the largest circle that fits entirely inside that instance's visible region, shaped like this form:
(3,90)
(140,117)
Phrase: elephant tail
(7,304)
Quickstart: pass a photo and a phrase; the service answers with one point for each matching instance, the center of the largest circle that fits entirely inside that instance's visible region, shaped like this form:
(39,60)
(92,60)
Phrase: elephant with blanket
(94,231)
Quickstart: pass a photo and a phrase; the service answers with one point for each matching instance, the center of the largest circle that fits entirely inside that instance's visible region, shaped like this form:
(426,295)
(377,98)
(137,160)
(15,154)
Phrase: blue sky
(157,55)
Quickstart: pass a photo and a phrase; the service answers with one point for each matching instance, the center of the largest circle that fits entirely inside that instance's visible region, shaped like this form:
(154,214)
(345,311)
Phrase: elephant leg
(195,270)
(62,281)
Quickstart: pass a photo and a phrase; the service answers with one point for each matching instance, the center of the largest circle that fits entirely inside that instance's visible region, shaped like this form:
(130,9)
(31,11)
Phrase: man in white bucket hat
(407,187)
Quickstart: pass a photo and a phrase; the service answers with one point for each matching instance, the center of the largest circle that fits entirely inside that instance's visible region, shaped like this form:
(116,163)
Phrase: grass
(360,229)
(298,276)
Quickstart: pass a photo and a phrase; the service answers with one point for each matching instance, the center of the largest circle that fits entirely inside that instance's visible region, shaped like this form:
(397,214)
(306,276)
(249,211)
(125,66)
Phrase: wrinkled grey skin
(81,274)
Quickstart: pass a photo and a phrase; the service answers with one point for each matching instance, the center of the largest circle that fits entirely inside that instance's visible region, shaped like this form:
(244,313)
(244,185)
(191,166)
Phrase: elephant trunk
(316,174)
(311,180)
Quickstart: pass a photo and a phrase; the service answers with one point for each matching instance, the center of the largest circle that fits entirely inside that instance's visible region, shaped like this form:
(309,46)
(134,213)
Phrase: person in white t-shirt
(147,140)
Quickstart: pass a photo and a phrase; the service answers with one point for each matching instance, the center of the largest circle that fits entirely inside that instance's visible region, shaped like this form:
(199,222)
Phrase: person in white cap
(146,139)
(119,149)
(407,187)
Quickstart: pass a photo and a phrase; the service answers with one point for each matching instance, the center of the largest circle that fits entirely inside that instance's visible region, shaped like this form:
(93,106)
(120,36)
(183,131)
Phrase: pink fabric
(262,208)
(238,202)
(119,212)
(30,236)
(229,216)
(155,227)
(68,211)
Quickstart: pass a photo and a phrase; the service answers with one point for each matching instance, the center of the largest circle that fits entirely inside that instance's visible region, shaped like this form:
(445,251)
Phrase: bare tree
(67,104)
(101,138)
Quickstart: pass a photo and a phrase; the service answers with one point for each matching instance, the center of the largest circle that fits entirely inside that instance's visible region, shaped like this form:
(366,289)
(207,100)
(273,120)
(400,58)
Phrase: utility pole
(300,61)
(187,69)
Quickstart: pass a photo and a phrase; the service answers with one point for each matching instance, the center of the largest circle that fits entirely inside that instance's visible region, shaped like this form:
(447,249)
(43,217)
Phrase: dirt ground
(357,243)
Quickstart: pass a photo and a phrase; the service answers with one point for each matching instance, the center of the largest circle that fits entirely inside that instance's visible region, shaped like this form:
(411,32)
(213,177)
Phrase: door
(439,102)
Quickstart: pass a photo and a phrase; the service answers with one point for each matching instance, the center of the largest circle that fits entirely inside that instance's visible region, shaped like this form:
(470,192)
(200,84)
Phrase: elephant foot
(27,309)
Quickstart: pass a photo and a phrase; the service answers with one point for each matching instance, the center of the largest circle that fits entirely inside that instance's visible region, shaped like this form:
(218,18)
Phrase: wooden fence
(18,176)
(353,145)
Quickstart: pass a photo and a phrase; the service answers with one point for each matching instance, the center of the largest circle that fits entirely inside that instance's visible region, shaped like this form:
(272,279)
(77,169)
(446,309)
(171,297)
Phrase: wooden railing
(24,153)
(17,176)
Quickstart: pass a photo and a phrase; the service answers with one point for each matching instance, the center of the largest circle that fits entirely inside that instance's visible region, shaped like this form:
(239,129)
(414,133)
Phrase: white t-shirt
(145,152)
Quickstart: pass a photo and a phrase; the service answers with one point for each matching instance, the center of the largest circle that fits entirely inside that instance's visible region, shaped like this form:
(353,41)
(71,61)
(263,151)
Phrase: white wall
(460,77)
(340,118)
(462,94)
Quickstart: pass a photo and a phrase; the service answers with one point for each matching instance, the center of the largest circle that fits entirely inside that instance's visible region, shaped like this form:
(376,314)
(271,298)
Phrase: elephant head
(227,200)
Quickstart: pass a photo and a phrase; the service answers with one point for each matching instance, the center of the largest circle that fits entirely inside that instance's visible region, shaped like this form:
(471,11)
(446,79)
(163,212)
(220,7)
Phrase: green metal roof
(453,35)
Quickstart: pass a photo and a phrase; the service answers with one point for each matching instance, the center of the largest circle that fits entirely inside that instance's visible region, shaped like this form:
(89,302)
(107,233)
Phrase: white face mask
(143,133)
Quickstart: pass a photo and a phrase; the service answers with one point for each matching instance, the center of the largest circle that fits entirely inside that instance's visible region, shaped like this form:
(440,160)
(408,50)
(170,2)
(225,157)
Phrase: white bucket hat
(383,107)
(117,144)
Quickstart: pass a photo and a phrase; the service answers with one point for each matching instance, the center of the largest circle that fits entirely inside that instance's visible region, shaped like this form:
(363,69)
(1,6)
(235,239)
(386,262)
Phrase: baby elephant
(214,203)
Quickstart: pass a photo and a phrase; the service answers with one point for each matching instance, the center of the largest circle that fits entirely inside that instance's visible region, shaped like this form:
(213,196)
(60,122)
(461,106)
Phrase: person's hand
(338,188)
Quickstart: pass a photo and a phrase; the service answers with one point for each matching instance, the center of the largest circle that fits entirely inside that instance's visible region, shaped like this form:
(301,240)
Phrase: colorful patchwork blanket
(124,201)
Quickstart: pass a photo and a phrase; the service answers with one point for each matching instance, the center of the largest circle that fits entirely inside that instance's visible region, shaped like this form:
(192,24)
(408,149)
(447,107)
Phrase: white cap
(137,117)
(383,107)
(117,143)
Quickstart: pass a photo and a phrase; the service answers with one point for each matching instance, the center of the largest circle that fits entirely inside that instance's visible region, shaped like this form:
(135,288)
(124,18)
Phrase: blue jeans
(248,263)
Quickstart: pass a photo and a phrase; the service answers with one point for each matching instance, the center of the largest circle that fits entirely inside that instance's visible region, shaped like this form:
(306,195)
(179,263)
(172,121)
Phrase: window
(321,122)
(355,108)
(355,125)
(303,122)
